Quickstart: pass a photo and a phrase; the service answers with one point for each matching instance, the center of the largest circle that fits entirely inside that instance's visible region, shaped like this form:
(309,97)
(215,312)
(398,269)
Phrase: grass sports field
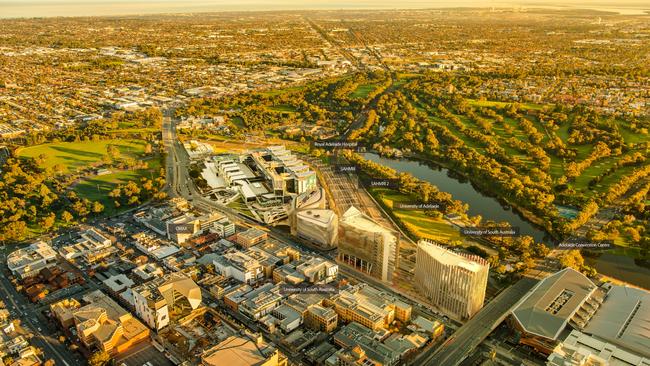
(97,188)
(76,155)
(79,155)
(363,90)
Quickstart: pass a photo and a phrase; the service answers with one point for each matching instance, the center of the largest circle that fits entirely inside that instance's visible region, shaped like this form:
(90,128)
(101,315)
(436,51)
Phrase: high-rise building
(453,282)
(367,246)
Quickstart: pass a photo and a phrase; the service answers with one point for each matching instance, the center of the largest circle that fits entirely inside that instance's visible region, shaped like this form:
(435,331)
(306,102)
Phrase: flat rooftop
(320,216)
(624,319)
(35,252)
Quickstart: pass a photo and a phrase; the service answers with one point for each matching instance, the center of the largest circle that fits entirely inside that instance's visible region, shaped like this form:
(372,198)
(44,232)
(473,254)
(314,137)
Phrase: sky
(44,8)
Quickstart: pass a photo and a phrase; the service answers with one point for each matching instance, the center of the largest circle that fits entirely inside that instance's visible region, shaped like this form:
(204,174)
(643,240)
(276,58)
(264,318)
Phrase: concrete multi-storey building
(310,269)
(616,316)
(224,227)
(27,262)
(106,325)
(239,266)
(91,241)
(284,171)
(251,237)
(580,349)
(368,306)
(451,281)
(148,271)
(319,226)
(321,318)
(260,301)
(315,199)
(182,228)
(153,300)
(360,346)
(367,246)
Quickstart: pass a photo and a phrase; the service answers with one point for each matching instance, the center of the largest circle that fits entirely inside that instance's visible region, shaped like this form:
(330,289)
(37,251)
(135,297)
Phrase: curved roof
(183,285)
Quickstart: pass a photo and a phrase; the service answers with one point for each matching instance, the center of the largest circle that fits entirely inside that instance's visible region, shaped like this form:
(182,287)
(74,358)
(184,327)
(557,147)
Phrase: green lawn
(134,130)
(492,103)
(629,135)
(557,166)
(75,155)
(439,121)
(362,91)
(563,131)
(241,207)
(594,170)
(407,75)
(97,188)
(416,221)
(583,151)
(237,121)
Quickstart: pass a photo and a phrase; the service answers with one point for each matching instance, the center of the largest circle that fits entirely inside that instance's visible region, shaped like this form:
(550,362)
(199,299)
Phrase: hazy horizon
(54,8)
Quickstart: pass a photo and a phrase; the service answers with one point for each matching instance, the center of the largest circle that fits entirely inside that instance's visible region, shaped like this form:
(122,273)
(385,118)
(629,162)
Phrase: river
(461,189)
(616,266)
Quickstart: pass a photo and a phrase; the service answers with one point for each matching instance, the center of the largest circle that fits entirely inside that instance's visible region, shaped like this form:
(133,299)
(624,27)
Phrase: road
(44,337)
(457,348)
(176,161)
(181,186)
(461,344)
(333,43)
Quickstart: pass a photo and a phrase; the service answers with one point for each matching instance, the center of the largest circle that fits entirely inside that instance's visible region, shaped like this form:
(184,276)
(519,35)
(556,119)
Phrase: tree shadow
(66,150)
